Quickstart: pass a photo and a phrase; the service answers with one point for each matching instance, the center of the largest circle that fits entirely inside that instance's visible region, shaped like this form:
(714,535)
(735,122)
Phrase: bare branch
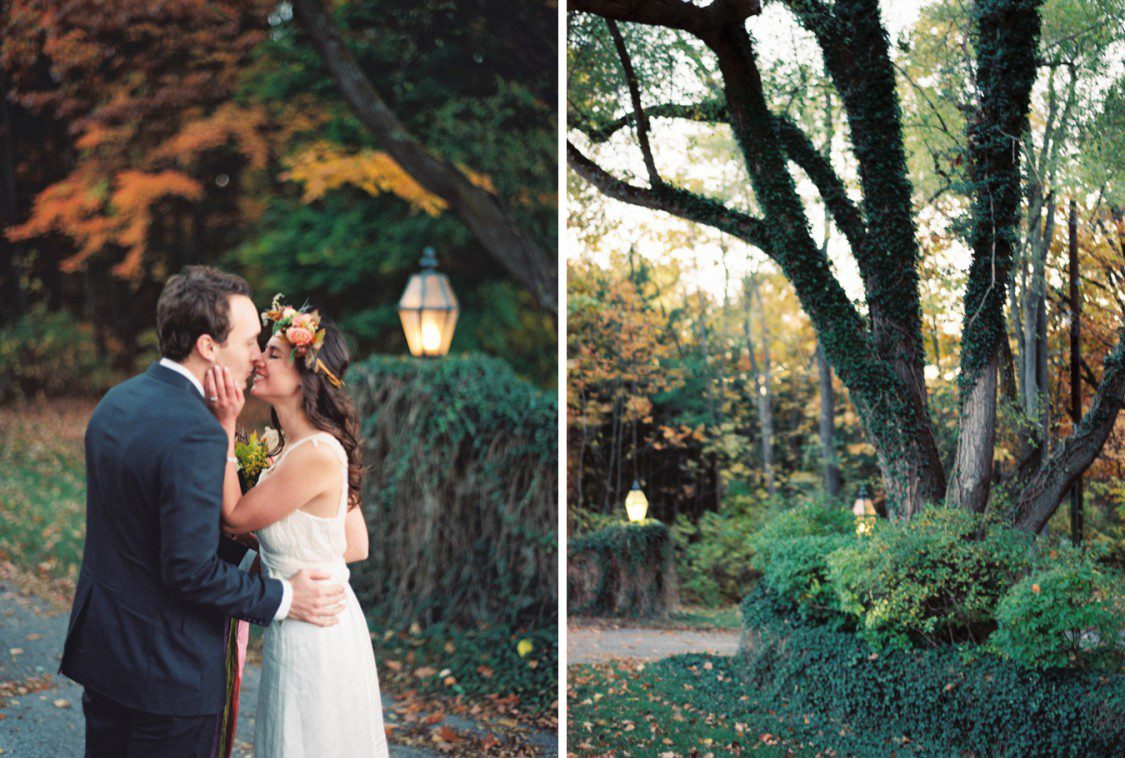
(635,96)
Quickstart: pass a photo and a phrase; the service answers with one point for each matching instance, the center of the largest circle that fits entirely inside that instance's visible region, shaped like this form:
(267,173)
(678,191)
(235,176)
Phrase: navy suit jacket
(147,625)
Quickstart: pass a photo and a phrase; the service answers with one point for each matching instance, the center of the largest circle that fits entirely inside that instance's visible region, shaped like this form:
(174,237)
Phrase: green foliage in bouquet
(253,455)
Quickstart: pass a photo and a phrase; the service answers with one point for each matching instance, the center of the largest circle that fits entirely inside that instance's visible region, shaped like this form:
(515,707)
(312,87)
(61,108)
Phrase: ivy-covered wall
(460,494)
(622,569)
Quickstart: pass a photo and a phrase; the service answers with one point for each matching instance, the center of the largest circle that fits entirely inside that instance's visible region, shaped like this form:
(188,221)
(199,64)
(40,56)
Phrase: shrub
(622,569)
(1069,613)
(933,579)
(50,353)
(952,700)
(460,495)
(791,551)
(713,557)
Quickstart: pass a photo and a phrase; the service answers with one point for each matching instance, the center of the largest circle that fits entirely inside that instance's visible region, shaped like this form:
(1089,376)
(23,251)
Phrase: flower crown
(300,327)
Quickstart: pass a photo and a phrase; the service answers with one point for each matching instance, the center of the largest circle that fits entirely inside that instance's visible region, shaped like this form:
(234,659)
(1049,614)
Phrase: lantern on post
(636,504)
(864,512)
(428,310)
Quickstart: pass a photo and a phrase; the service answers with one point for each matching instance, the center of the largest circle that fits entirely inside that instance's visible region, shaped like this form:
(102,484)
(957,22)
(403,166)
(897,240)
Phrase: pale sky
(778,38)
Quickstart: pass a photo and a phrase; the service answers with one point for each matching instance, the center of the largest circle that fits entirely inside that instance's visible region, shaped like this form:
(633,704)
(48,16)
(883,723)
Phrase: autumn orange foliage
(147,93)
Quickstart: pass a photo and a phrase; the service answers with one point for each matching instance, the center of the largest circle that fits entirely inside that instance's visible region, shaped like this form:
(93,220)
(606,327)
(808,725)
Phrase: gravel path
(45,718)
(598,645)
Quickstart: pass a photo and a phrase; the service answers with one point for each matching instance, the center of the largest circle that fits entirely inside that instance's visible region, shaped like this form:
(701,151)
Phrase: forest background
(692,367)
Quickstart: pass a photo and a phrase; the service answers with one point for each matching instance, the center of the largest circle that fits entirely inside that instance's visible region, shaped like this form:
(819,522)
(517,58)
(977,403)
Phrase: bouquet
(254,457)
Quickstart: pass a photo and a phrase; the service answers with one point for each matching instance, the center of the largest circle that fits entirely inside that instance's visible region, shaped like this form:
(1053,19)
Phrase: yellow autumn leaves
(322,166)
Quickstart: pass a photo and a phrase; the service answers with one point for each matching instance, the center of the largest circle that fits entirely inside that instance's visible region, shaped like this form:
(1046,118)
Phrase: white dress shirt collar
(180,368)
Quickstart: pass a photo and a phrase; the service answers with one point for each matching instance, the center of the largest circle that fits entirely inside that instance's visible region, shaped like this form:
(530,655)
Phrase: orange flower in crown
(300,327)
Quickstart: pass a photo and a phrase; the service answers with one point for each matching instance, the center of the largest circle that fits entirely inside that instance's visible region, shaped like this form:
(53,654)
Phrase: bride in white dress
(319,692)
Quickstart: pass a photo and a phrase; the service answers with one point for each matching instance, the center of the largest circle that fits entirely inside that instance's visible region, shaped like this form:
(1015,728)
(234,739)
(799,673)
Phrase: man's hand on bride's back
(224,396)
(316,602)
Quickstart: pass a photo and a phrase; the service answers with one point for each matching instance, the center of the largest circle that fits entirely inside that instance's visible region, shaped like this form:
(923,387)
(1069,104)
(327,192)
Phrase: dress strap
(336,445)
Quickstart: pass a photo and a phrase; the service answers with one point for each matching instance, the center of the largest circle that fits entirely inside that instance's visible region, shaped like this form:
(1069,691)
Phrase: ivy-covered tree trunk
(1006,36)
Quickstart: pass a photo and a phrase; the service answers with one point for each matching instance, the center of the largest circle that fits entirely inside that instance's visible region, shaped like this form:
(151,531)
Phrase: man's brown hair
(195,302)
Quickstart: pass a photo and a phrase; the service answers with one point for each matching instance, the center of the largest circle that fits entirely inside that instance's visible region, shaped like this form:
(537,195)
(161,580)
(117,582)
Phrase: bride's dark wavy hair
(329,408)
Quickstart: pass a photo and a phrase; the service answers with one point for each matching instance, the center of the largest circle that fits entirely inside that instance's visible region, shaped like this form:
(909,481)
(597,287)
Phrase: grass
(693,705)
(42,487)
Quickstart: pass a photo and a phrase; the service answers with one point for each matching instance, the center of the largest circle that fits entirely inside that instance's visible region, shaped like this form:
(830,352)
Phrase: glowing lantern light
(864,511)
(636,504)
(428,310)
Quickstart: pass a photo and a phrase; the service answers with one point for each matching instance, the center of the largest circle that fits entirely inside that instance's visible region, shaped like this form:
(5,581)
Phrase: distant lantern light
(864,512)
(636,504)
(428,310)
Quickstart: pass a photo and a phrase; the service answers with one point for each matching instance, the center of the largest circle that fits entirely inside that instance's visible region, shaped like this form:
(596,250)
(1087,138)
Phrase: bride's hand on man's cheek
(224,396)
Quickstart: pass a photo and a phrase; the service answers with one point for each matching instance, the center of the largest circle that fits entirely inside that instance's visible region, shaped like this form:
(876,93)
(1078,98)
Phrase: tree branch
(482,212)
(1041,497)
(797,146)
(635,97)
(678,202)
(706,112)
(800,149)
(702,21)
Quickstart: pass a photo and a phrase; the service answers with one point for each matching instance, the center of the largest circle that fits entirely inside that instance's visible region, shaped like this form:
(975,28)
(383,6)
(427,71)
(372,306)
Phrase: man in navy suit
(145,637)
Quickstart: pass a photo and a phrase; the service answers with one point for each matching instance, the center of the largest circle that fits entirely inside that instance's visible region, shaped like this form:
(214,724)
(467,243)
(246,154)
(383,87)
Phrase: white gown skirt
(319,693)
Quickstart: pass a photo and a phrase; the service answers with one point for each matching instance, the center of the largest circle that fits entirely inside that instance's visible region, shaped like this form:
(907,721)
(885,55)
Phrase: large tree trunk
(879,360)
(832,478)
(857,55)
(905,445)
(525,258)
(1006,34)
(887,397)
(971,479)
